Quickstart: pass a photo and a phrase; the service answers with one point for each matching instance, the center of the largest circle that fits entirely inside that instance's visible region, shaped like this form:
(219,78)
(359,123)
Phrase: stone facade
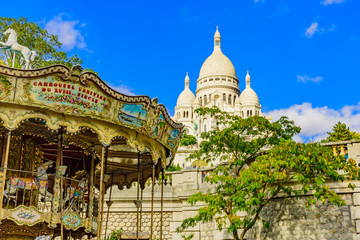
(217,85)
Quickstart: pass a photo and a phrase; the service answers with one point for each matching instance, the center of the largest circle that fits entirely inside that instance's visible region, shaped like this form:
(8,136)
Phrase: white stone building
(217,85)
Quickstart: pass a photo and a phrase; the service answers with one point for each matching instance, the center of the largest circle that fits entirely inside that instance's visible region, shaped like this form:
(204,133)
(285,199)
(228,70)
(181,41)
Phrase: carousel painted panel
(133,115)
(150,122)
(66,96)
(5,87)
(72,221)
(23,215)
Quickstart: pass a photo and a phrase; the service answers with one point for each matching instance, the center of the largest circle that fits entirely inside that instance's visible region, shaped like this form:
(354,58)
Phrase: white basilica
(217,85)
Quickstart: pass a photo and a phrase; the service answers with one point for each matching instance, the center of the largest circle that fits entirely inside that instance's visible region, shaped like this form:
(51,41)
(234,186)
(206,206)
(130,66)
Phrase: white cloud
(331,28)
(312,30)
(68,35)
(306,78)
(329,2)
(124,89)
(315,122)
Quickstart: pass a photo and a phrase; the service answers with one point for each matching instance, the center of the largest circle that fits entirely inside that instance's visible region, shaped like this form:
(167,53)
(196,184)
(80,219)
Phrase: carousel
(65,139)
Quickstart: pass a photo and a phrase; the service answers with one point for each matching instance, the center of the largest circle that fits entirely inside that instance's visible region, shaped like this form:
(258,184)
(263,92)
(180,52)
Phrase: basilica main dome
(217,63)
(217,74)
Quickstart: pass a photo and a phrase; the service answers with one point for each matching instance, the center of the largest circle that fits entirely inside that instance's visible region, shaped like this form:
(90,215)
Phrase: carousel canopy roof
(138,131)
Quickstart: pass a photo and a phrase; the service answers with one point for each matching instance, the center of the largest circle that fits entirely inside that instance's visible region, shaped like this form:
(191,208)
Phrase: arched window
(234,99)
(229,100)
(247,113)
(200,101)
(205,100)
(224,97)
(250,112)
(209,97)
(204,127)
(187,114)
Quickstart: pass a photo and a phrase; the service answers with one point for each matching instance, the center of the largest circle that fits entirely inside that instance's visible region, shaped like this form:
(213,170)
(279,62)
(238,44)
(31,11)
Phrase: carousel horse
(40,182)
(74,196)
(13,45)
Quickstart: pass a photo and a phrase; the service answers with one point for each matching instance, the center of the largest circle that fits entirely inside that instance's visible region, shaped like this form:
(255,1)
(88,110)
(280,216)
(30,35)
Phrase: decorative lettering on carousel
(69,89)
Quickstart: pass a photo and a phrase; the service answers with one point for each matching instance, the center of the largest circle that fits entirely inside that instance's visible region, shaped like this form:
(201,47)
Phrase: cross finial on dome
(217,27)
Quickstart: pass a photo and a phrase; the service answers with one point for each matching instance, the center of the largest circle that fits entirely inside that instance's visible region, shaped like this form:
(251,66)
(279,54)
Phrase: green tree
(340,132)
(259,160)
(188,140)
(31,35)
(355,135)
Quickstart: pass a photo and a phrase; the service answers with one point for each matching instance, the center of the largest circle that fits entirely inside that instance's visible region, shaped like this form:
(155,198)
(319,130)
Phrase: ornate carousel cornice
(26,89)
(76,72)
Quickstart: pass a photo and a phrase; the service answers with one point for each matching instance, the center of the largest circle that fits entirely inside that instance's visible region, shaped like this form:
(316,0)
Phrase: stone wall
(127,222)
(290,219)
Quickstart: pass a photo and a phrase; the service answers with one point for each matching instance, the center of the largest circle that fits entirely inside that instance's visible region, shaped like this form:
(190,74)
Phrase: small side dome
(186,97)
(248,96)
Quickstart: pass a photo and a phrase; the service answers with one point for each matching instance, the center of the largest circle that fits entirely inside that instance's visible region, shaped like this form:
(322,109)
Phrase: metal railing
(28,188)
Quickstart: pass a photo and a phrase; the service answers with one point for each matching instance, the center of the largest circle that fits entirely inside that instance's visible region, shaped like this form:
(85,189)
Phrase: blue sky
(303,55)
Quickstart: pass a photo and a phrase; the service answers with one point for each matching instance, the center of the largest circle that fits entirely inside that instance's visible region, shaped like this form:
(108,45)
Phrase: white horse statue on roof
(13,45)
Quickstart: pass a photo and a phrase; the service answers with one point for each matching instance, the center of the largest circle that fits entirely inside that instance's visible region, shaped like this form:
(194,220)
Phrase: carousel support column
(60,155)
(137,197)
(162,203)
(4,163)
(152,202)
(58,194)
(108,204)
(141,199)
(91,194)
(101,191)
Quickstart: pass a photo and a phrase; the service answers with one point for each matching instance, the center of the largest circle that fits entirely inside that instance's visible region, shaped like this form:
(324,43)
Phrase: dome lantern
(217,39)
(247,79)
(187,81)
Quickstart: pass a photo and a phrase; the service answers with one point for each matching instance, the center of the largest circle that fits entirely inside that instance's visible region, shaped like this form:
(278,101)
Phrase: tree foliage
(173,168)
(261,162)
(188,140)
(340,132)
(31,35)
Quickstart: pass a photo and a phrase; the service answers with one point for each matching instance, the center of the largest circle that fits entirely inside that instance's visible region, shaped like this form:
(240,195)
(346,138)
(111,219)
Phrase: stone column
(356,213)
